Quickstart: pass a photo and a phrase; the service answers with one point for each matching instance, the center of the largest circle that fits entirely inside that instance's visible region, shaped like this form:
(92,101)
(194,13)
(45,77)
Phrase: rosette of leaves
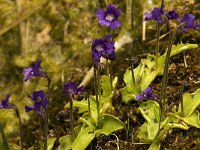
(152,131)
(90,127)
(146,72)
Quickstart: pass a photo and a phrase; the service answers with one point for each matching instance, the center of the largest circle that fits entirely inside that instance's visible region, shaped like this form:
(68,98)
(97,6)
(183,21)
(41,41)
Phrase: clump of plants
(94,119)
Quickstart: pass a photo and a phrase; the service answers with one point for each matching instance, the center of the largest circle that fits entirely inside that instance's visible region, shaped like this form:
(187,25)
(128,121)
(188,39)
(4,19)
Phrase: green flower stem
(162,3)
(166,68)
(89,109)
(41,131)
(181,97)
(20,127)
(97,89)
(72,118)
(158,37)
(111,73)
(106,68)
(5,142)
(99,92)
(132,72)
(46,119)
(111,63)
(157,43)
(45,130)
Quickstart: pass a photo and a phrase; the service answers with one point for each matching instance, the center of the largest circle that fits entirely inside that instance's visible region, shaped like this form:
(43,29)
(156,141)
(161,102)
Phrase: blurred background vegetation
(60,33)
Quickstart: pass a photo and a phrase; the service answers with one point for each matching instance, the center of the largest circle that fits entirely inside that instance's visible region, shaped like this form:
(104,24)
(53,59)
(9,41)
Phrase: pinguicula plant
(101,48)
(109,18)
(187,22)
(5,104)
(105,47)
(156,65)
(40,107)
(72,89)
(39,97)
(157,123)
(93,110)
(95,120)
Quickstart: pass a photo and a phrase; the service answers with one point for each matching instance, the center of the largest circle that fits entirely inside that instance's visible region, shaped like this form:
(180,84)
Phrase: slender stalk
(49,83)
(89,109)
(45,130)
(46,114)
(41,131)
(99,92)
(157,42)
(162,4)
(158,38)
(20,127)
(96,90)
(107,67)
(132,73)
(5,142)
(166,67)
(111,73)
(181,97)
(111,63)
(128,128)
(72,118)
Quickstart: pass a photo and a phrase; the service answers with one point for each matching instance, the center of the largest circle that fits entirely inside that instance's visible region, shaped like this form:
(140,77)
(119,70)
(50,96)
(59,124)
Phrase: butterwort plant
(158,15)
(5,104)
(185,23)
(39,97)
(39,106)
(104,47)
(109,17)
(73,91)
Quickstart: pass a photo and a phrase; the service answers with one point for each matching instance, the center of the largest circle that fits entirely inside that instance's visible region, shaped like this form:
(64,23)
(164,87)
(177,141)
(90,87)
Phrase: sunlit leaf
(190,103)
(109,124)
(150,110)
(84,138)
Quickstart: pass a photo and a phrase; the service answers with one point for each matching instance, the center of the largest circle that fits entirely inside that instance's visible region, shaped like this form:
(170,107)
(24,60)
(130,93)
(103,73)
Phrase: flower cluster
(157,14)
(40,103)
(109,17)
(103,48)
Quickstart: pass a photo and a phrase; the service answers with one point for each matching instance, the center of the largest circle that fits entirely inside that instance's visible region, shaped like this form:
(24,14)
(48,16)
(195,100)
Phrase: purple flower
(98,46)
(147,94)
(156,14)
(103,48)
(40,103)
(188,21)
(72,89)
(34,71)
(5,103)
(172,15)
(109,17)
